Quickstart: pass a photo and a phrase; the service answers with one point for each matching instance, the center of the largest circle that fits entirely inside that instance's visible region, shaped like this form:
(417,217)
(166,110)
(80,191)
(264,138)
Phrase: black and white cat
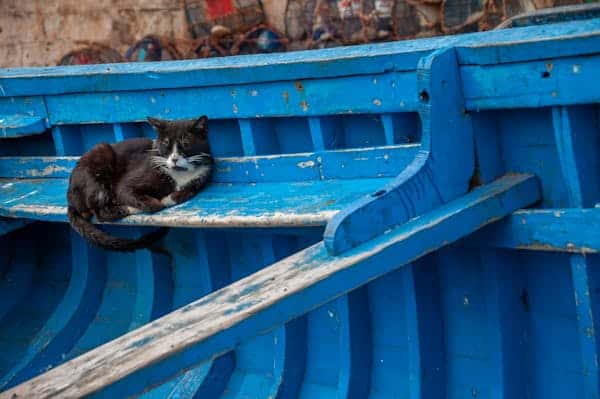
(112,181)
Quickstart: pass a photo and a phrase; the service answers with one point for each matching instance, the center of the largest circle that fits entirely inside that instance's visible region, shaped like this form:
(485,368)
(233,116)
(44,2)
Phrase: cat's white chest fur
(183,177)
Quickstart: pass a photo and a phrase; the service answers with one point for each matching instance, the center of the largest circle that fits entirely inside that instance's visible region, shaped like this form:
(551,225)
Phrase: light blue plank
(549,81)
(22,116)
(316,97)
(310,203)
(18,125)
(566,132)
(555,230)
(341,164)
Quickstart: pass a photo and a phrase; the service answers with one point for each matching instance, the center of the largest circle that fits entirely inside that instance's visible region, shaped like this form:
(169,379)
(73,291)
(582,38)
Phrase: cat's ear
(201,125)
(158,124)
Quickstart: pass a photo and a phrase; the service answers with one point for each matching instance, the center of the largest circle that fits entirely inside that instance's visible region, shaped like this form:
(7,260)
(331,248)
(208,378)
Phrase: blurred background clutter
(68,32)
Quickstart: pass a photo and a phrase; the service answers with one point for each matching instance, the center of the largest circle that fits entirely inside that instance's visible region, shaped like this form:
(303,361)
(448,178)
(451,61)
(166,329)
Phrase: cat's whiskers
(198,158)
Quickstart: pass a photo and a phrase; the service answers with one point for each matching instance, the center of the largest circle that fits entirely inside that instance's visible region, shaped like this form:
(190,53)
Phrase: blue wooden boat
(405,220)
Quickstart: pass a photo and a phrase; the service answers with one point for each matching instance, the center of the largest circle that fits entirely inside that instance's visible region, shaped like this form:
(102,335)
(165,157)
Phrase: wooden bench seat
(295,204)
(290,190)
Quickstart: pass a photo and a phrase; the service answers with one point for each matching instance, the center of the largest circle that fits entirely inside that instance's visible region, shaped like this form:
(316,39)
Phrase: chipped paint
(538,246)
(48,171)
(19,198)
(306,164)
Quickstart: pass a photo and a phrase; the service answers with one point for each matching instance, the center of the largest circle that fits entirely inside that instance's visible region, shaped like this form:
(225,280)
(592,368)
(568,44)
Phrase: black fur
(138,173)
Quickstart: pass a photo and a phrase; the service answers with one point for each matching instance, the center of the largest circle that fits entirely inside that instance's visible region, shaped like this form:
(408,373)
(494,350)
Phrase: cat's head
(181,144)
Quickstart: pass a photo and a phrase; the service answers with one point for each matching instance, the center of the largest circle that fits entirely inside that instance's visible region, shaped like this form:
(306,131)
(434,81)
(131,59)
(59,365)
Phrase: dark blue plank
(9,225)
(72,315)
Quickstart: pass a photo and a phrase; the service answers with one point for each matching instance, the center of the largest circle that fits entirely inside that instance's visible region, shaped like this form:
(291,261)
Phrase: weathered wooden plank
(295,204)
(569,38)
(272,296)
(342,164)
(36,167)
(560,230)
(439,173)
(18,125)
(312,97)
(549,81)
(22,116)
(567,131)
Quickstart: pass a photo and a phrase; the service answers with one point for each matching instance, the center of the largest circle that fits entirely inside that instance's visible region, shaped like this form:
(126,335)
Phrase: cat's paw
(133,211)
(151,205)
(168,201)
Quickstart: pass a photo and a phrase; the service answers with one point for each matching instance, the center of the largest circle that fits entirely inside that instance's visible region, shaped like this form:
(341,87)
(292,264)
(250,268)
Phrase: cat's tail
(96,236)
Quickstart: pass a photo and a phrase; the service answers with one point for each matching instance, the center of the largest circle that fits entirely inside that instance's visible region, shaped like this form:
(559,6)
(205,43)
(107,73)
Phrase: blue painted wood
(566,130)
(578,145)
(220,205)
(558,230)
(540,83)
(21,125)
(22,116)
(67,140)
(261,362)
(65,325)
(201,265)
(385,161)
(487,47)
(30,325)
(17,278)
(508,306)
(274,295)
(9,225)
(277,99)
(438,174)
(300,137)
